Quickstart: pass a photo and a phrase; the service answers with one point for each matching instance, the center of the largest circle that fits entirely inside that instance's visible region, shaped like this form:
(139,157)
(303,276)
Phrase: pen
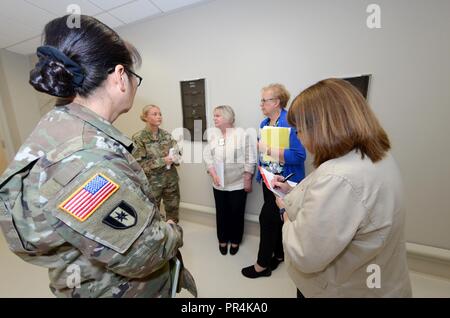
(288,177)
(285,179)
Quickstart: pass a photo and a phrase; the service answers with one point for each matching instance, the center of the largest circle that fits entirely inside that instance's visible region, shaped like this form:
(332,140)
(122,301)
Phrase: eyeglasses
(137,76)
(263,101)
(130,71)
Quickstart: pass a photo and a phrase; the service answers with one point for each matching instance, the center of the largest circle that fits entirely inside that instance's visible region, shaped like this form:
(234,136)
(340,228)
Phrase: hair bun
(52,77)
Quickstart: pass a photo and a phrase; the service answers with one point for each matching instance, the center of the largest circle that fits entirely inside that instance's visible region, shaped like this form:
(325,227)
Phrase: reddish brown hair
(333,118)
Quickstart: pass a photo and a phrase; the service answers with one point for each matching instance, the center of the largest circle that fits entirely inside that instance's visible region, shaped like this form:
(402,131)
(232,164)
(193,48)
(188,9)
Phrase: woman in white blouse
(230,158)
(343,232)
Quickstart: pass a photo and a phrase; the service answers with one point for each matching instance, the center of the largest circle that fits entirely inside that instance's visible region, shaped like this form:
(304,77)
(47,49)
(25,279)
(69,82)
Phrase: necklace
(275,124)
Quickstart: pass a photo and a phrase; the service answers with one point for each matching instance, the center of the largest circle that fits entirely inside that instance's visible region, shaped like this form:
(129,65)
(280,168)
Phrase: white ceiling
(22,21)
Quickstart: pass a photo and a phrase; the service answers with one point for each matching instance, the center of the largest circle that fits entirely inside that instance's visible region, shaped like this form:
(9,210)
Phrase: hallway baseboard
(421,258)
(428,259)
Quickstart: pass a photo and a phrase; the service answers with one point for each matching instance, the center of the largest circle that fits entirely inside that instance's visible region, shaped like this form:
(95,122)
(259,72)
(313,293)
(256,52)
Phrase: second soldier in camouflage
(152,150)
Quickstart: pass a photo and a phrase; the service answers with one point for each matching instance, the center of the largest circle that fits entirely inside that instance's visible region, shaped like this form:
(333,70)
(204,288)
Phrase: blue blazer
(294,157)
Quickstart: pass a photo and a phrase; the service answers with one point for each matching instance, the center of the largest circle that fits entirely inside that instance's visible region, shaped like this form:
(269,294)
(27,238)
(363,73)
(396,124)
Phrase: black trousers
(270,225)
(230,210)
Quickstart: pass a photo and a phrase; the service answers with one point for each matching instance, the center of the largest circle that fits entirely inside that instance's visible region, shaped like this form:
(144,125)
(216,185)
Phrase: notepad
(268,177)
(275,137)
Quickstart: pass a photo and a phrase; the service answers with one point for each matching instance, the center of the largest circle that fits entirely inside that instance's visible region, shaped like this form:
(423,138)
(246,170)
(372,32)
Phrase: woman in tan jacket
(343,232)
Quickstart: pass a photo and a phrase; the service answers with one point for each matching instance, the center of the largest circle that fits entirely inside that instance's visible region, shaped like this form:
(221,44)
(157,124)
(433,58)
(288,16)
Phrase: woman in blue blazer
(287,160)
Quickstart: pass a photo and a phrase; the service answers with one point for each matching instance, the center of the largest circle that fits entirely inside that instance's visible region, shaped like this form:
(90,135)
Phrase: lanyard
(276,122)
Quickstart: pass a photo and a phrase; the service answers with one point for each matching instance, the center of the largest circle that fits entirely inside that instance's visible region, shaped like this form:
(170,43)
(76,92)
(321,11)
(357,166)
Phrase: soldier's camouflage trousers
(164,185)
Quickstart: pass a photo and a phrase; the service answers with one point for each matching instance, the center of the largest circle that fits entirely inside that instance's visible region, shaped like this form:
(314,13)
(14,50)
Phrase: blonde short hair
(334,118)
(227,112)
(280,92)
(145,110)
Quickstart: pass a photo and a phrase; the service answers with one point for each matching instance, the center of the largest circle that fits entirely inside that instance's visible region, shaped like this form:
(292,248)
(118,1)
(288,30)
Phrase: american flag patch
(86,199)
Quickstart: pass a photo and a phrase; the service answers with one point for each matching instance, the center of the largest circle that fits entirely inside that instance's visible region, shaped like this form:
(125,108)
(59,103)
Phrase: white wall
(241,45)
(5,135)
(19,101)
(6,148)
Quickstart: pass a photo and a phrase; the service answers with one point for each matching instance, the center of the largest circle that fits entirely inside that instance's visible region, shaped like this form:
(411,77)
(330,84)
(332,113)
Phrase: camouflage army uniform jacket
(150,153)
(121,248)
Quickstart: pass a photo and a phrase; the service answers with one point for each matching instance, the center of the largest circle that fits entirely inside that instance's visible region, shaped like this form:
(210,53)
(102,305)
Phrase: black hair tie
(55,54)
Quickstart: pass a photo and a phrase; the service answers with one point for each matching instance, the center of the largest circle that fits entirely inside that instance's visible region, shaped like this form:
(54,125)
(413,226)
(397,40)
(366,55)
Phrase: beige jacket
(346,230)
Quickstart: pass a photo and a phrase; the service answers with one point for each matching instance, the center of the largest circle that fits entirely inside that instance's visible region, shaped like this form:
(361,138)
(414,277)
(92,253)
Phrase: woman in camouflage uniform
(152,149)
(74,199)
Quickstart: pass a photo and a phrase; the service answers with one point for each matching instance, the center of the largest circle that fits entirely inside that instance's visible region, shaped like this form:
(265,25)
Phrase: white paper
(171,154)
(220,171)
(269,177)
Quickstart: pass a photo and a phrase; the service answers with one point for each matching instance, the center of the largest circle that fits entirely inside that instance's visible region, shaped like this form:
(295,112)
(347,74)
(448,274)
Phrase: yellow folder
(275,137)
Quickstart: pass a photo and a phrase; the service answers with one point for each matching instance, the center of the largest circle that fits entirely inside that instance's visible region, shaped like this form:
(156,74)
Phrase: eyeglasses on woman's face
(139,78)
(263,101)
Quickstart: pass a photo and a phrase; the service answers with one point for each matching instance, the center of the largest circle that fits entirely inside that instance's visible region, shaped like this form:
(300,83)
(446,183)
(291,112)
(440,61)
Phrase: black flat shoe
(223,249)
(234,250)
(274,262)
(250,272)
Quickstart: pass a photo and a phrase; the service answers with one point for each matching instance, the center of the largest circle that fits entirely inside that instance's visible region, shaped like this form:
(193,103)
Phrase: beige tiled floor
(216,275)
